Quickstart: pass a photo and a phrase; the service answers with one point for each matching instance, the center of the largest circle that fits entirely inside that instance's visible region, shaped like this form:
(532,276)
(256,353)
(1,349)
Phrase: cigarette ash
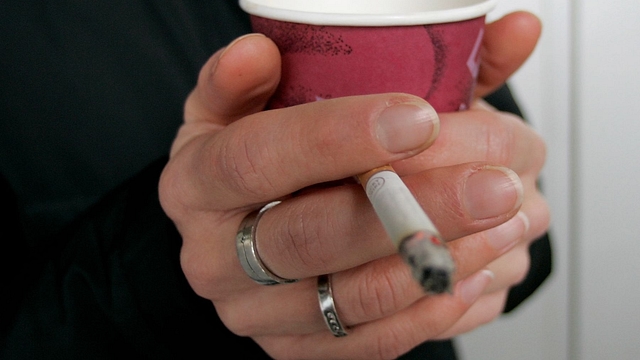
(430,261)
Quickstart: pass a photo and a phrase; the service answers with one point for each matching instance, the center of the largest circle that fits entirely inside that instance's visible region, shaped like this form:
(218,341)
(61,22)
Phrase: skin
(474,172)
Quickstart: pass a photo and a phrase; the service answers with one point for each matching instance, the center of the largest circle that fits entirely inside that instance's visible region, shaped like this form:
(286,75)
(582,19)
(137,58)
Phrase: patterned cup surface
(438,62)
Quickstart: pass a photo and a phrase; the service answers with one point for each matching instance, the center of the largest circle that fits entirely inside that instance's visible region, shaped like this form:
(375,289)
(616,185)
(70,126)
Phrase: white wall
(581,91)
(608,222)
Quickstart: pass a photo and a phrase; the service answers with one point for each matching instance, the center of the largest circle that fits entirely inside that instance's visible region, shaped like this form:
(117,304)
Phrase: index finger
(271,154)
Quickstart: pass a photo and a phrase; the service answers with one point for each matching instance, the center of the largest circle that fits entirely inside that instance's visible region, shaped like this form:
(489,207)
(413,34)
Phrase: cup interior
(368,12)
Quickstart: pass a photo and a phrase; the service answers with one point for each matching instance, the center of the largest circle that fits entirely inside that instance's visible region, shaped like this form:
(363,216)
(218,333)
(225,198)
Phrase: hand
(230,157)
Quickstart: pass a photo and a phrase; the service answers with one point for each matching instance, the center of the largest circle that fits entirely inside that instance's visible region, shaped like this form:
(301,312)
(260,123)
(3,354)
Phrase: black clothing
(93,92)
(91,95)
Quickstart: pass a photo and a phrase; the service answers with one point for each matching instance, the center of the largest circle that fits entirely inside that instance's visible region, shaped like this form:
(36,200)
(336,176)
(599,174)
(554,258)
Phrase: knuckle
(540,218)
(493,308)
(391,345)
(306,235)
(523,139)
(521,267)
(299,241)
(171,192)
(234,320)
(244,168)
(537,146)
(540,145)
(375,303)
(499,138)
(383,292)
(199,272)
(510,137)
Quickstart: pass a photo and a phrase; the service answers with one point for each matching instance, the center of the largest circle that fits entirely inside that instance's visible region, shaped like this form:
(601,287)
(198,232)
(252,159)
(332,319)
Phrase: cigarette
(413,233)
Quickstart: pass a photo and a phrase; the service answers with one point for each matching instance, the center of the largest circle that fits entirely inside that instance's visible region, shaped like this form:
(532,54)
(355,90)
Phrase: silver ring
(328,308)
(246,245)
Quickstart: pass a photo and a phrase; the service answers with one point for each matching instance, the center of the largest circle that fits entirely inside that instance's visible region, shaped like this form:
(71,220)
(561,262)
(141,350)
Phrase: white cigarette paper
(398,210)
(410,229)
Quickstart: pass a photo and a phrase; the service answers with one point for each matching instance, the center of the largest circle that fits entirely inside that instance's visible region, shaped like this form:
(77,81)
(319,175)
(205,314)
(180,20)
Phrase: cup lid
(368,12)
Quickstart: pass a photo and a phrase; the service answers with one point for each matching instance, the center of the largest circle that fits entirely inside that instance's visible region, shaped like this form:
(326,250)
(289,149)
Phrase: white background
(581,91)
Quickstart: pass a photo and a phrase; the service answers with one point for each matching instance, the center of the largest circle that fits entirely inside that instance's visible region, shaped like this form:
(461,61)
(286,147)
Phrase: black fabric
(91,93)
(503,100)
(13,252)
(541,266)
(112,286)
(440,350)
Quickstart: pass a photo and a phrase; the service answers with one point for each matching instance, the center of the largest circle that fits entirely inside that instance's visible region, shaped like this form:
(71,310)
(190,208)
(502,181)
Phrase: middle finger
(336,228)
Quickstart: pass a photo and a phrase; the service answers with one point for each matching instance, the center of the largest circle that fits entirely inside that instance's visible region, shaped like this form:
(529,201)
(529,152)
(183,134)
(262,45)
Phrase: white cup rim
(271,10)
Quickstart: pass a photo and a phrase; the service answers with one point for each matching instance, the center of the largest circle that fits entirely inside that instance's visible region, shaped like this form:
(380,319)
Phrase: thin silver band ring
(246,246)
(328,308)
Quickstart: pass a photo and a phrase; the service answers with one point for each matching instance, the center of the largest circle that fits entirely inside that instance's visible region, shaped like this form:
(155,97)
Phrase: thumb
(508,43)
(235,82)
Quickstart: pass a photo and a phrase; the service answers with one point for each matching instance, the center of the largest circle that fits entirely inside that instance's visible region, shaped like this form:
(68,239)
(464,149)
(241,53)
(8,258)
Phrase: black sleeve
(14,251)
(540,250)
(112,286)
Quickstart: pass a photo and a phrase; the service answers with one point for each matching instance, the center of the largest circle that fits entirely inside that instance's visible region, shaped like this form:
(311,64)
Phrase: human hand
(230,157)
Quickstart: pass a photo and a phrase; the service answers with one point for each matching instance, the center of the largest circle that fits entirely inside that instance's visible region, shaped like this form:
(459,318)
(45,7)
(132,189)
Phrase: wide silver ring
(246,245)
(328,308)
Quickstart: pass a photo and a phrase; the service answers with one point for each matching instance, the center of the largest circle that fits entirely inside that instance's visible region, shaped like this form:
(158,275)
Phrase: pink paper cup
(330,48)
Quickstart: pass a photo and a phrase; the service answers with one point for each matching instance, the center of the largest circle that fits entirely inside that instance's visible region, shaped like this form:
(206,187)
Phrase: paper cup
(335,48)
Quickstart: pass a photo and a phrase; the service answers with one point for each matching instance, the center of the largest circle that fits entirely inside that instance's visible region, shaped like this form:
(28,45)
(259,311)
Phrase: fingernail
(231,45)
(472,287)
(491,192)
(406,126)
(506,235)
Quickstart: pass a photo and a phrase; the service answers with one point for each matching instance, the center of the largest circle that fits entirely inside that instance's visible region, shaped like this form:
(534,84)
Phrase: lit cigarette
(417,239)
